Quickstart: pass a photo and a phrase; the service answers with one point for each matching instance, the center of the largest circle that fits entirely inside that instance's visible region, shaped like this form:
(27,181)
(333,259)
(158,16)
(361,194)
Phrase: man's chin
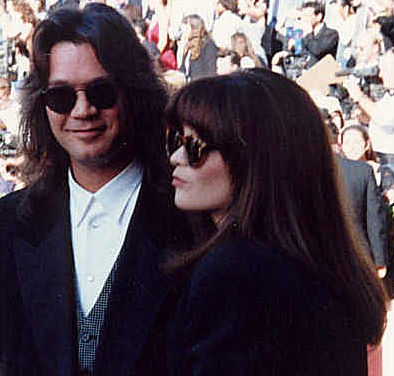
(113,160)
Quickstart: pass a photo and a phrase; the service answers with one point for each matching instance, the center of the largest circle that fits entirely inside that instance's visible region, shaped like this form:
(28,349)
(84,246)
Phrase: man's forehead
(74,62)
(308,11)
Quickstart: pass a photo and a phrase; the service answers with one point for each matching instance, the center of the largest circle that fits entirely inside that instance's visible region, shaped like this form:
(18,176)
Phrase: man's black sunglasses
(101,93)
(196,149)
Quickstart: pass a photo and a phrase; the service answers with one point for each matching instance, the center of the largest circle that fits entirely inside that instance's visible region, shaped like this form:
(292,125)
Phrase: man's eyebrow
(66,82)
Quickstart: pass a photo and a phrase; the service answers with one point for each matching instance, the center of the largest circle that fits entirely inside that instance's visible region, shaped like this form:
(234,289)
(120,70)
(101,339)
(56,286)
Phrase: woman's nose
(179,157)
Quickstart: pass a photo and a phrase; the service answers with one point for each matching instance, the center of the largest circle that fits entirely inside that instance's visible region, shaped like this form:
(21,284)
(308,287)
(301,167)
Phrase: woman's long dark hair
(285,179)
(126,61)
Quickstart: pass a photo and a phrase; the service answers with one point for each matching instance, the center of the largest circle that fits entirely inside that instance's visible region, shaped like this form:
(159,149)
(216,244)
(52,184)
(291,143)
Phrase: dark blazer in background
(249,310)
(38,327)
(205,65)
(317,46)
(369,209)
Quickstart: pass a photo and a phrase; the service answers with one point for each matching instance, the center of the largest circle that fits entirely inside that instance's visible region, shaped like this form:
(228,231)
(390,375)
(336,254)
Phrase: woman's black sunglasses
(196,149)
(101,93)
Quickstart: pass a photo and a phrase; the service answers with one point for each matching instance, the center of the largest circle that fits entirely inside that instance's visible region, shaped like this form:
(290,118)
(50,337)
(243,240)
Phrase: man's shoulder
(352,167)
(9,203)
(329,29)
(30,205)
(8,214)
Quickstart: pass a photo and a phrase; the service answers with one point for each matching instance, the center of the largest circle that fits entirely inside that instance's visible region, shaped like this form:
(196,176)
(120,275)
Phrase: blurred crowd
(190,39)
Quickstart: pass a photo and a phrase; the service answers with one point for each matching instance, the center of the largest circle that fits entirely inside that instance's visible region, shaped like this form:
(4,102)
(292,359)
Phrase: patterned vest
(89,327)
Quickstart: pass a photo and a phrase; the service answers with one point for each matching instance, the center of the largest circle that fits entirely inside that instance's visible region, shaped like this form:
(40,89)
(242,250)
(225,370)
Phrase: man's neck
(92,178)
(317,28)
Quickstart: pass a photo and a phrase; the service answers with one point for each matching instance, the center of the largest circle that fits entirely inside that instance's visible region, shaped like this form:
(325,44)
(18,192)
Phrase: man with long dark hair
(81,291)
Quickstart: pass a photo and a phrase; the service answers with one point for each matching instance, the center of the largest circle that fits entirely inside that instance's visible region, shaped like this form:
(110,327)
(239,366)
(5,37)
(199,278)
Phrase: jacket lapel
(137,294)
(45,273)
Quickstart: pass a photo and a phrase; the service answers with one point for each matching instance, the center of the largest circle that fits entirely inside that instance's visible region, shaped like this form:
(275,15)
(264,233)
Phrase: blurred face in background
(367,50)
(4,92)
(354,145)
(309,16)
(240,45)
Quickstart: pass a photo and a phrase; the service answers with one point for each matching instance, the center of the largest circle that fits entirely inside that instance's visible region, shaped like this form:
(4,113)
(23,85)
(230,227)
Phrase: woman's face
(207,187)
(336,119)
(353,145)
(240,46)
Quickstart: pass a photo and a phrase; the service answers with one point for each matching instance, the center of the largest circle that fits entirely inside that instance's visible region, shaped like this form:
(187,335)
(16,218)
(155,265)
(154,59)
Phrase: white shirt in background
(224,28)
(381,127)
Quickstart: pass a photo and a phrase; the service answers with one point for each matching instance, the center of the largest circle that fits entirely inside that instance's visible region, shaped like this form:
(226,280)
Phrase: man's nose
(83,108)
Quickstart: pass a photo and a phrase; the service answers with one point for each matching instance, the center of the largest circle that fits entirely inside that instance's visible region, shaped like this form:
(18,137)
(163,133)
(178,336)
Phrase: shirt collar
(318,28)
(113,196)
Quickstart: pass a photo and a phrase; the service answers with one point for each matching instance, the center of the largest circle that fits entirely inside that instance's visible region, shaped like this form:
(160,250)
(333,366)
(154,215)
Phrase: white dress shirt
(381,127)
(99,222)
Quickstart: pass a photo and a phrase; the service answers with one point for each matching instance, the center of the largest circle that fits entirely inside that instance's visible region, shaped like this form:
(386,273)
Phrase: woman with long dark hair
(277,283)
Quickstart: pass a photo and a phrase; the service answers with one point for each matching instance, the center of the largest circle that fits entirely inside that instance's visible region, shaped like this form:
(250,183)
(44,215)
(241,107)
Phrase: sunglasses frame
(91,97)
(187,142)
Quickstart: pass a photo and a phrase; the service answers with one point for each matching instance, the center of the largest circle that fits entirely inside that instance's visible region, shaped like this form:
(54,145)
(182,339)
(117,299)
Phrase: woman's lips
(177,181)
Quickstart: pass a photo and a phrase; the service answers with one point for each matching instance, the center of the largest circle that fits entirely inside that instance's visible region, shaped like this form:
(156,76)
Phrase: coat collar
(45,273)
(139,288)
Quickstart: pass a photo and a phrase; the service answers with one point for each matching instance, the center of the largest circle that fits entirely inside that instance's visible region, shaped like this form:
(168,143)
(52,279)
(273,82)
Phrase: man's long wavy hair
(286,184)
(124,58)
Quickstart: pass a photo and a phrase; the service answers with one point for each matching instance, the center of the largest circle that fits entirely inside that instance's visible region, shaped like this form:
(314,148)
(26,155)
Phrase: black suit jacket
(38,315)
(368,207)
(249,310)
(317,46)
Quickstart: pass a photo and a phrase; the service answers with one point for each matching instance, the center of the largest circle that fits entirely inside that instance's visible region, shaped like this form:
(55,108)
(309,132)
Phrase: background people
(321,40)
(199,59)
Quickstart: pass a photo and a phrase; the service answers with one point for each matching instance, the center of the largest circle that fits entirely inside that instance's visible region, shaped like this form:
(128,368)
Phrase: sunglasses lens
(173,141)
(194,147)
(60,99)
(193,150)
(102,94)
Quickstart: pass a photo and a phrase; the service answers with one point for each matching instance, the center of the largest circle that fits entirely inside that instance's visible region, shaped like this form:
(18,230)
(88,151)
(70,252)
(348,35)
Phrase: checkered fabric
(89,327)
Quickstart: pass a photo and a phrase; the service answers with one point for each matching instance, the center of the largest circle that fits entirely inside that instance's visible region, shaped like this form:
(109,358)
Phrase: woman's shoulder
(246,262)
(240,252)
(264,272)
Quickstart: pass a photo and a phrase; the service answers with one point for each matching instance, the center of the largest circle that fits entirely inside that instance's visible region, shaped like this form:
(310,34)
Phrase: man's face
(367,51)
(309,16)
(4,92)
(91,136)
